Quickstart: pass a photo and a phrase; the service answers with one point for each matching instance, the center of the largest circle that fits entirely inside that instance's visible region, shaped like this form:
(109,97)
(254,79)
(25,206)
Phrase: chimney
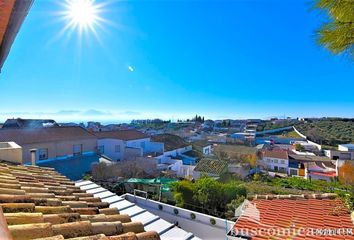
(33,156)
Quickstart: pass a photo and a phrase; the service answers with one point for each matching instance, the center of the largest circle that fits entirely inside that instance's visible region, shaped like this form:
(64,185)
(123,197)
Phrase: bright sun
(82,12)
(82,15)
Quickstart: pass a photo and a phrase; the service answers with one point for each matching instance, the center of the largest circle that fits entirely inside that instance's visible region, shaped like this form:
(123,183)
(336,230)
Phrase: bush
(207,195)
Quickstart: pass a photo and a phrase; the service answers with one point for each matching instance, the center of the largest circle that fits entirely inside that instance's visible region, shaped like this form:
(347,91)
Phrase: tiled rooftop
(50,134)
(41,203)
(214,166)
(276,153)
(125,135)
(281,212)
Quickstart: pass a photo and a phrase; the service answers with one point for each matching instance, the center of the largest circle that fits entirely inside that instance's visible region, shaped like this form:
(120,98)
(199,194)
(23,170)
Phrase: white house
(173,145)
(346,147)
(336,154)
(204,147)
(276,160)
(125,144)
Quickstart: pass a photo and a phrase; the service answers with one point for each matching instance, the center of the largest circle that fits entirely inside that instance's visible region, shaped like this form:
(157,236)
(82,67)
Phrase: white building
(173,145)
(203,147)
(11,152)
(276,160)
(346,147)
(125,144)
(336,154)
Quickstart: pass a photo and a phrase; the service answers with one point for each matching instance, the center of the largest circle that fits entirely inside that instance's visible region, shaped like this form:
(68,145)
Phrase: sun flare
(82,15)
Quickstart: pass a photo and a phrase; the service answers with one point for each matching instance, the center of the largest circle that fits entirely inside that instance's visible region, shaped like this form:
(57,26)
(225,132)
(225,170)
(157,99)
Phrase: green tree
(337,34)
(207,195)
(183,193)
(299,147)
(232,206)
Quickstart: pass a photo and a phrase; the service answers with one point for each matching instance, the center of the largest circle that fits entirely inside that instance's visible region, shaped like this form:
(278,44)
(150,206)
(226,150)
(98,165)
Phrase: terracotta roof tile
(294,214)
(39,203)
(27,136)
(125,135)
(281,154)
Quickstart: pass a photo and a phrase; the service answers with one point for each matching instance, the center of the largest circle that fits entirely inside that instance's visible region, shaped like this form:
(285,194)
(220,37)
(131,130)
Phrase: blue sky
(220,59)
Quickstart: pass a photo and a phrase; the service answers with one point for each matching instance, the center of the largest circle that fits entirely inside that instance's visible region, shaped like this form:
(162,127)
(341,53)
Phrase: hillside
(328,131)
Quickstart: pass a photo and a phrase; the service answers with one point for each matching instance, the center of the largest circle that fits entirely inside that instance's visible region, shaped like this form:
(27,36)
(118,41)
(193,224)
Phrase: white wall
(110,148)
(138,143)
(339,154)
(10,151)
(178,151)
(200,226)
(186,171)
(154,147)
(276,162)
(132,153)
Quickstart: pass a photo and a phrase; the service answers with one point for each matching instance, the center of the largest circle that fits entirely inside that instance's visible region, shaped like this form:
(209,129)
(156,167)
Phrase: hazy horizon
(76,116)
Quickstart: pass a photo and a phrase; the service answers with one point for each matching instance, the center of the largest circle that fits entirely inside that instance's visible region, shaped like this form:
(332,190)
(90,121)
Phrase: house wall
(128,149)
(131,153)
(58,148)
(319,177)
(339,154)
(154,147)
(178,151)
(110,148)
(272,163)
(138,143)
(186,171)
(10,151)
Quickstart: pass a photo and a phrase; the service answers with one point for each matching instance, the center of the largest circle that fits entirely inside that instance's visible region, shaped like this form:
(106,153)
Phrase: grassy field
(231,150)
(284,134)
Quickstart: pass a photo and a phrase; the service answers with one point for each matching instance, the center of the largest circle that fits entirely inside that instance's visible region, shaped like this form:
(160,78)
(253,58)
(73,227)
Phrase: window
(293,172)
(275,160)
(282,161)
(276,168)
(100,149)
(77,149)
(117,148)
(43,153)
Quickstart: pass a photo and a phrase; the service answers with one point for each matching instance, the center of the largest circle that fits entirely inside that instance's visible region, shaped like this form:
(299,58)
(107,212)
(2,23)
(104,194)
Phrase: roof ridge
(293,196)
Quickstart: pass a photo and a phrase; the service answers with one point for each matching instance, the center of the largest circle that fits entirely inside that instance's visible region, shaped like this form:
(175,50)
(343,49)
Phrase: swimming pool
(72,167)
